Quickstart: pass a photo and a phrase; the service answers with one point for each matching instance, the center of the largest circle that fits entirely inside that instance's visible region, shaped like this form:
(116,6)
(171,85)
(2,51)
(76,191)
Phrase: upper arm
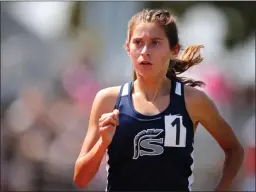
(104,102)
(205,112)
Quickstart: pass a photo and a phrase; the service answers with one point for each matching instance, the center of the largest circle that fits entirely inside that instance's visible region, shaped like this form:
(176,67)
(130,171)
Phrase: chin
(147,75)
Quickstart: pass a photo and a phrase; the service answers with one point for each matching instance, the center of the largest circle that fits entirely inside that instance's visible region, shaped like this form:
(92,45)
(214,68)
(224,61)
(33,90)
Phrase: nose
(145,51)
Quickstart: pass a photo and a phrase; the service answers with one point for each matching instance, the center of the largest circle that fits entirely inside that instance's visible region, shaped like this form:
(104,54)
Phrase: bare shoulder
(109,92)
(195,95)
(198,103)
(104,102)
(107,97)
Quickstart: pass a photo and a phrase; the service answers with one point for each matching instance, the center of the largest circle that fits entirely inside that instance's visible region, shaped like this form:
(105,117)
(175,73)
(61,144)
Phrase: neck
(151,88)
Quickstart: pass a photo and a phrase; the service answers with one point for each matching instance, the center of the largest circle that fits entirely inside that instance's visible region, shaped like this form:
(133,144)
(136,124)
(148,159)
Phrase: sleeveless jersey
(151,152)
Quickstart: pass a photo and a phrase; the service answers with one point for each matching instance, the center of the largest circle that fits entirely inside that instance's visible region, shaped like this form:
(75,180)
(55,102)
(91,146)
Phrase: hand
(107,126)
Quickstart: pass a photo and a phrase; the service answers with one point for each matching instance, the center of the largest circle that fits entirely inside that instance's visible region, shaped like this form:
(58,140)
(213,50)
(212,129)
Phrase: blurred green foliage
(241,16)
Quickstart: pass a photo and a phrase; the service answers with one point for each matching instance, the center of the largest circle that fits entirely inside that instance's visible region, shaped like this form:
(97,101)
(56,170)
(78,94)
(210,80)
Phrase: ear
(127,47)
(176,50)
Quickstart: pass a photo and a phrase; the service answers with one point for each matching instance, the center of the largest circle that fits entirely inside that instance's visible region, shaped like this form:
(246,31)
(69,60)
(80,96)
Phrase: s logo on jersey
(147,143)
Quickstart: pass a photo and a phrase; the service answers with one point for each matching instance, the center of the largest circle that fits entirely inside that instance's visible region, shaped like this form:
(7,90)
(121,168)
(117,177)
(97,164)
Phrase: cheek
(166,58)
(134,53)
(163,56)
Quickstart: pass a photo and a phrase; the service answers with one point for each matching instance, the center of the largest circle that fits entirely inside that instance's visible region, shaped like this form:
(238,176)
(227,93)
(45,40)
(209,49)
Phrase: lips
(145,63)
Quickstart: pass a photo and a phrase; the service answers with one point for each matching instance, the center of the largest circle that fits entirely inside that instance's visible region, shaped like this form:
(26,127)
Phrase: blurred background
(55,56)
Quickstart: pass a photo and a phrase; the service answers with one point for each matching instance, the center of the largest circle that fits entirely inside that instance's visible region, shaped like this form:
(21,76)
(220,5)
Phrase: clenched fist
(107,126)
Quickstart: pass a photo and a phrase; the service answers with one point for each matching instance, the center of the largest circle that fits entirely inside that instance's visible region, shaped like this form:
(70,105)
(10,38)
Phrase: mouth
(145,63)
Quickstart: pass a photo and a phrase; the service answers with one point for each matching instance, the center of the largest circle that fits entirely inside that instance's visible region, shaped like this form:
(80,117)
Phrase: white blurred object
(204,24)
(242,62)
(207,25)
(249,132)
(34,144)
(46,19)
(249,184)
(19,116)
(20,175)
(15,45)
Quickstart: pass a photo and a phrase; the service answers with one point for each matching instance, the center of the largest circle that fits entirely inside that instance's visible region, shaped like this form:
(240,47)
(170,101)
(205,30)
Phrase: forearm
(232,164)
(87,166)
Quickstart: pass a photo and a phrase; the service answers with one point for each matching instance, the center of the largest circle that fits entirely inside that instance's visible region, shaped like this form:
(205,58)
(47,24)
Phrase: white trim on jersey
(125,90)
(107,169)
(191,177)
(178,88)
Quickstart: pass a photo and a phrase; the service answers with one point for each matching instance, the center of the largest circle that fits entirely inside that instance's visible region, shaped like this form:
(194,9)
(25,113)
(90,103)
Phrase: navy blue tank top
(151,152)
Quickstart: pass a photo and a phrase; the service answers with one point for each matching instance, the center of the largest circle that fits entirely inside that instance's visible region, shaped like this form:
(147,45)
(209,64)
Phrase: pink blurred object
(217,86)
(81,86)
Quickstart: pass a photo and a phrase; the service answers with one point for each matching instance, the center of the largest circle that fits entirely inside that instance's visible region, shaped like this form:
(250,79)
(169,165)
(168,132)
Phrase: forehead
(151,30)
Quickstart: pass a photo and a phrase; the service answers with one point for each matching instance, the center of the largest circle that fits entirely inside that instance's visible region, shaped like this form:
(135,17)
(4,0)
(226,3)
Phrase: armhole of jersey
(119,97)
(183,97)
(184,102)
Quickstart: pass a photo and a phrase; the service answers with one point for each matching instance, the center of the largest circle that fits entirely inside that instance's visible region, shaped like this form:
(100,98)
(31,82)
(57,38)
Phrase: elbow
(84,172)
(241,152)
(237,151)
(79,179)
(79,184)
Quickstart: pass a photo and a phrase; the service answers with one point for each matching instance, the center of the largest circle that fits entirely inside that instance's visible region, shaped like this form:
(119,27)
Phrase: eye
(155,43)
(137,42)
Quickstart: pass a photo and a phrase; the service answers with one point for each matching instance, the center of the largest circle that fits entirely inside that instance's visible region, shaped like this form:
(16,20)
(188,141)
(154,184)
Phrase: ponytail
(182,64)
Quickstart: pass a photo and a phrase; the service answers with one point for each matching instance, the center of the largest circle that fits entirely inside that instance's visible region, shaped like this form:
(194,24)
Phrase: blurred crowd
(45,110)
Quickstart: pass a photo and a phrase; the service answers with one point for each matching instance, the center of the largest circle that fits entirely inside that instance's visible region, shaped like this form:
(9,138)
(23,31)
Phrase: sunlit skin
(150,96)
(149,43)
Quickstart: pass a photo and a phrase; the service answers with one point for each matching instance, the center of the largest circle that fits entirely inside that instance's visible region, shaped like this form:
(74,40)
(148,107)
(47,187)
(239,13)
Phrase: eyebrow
(157,38)
(154,38)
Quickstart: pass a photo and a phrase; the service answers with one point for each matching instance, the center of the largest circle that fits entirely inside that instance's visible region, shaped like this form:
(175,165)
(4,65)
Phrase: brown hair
(167,21)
